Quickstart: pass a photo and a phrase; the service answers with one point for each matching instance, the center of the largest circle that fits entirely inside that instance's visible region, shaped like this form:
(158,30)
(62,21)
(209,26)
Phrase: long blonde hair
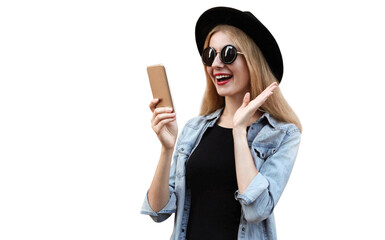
(260,78)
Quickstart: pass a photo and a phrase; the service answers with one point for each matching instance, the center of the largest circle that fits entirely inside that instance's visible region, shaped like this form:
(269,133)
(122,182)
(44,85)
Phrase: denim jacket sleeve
(264,191)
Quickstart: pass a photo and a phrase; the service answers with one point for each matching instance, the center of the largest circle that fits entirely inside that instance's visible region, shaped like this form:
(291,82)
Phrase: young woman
(231,164)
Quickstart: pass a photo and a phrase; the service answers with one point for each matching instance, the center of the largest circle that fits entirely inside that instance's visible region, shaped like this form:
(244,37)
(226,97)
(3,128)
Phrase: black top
(211,177)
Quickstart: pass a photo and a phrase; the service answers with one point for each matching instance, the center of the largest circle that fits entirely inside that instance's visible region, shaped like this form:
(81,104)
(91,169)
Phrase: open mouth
(223,78)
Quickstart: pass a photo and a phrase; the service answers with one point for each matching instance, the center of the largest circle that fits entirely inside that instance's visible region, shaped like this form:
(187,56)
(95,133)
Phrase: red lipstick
(222,78)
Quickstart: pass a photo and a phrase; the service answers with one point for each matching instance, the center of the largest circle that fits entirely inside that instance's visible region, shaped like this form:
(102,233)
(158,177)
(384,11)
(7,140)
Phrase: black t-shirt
(211,177)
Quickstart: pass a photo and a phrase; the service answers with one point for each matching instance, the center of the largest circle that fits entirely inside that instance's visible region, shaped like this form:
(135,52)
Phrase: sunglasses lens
(208,56)
(228,54)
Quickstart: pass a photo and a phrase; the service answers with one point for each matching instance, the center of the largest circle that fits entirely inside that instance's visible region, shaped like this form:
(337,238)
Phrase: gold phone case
(159,85)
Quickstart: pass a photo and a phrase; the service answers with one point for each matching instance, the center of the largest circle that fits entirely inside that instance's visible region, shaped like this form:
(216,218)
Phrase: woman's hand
(164,124)
(248,108)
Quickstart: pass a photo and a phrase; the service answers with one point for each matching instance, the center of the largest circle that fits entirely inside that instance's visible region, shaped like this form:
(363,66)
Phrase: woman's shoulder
(273,133)
(195,122)
(276,124)
(199,121)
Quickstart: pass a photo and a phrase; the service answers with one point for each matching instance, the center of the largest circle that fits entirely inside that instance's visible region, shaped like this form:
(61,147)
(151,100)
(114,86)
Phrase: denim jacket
(273,145)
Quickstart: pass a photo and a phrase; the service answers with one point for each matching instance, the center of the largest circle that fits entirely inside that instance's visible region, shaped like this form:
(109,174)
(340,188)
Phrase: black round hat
(249,24)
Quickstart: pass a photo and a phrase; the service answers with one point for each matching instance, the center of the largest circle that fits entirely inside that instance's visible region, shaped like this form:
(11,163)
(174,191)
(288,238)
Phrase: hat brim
(250,25)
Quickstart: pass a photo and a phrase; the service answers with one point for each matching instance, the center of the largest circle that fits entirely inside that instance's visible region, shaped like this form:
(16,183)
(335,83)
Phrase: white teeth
(221,76)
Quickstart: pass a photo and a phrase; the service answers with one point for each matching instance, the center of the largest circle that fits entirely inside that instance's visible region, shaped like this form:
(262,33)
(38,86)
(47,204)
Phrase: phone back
(159,85)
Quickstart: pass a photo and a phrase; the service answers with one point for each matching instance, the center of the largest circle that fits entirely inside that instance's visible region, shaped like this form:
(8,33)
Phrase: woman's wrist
(239,131)
(167,150)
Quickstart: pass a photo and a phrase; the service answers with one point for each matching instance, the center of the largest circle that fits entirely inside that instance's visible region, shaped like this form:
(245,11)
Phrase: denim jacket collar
(214,115)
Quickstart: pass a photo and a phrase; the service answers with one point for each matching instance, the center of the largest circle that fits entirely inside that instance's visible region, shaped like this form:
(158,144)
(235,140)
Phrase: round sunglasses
(228,54)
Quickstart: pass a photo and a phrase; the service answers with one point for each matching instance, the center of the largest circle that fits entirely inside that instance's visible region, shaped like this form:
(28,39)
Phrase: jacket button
(182,229)
(243,229)
(182,149)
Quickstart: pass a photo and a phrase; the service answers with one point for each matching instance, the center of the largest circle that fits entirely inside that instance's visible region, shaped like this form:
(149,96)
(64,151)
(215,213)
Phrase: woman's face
(230,80)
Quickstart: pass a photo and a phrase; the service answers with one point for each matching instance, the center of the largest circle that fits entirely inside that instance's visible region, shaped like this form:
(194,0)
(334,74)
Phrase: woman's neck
(231,106)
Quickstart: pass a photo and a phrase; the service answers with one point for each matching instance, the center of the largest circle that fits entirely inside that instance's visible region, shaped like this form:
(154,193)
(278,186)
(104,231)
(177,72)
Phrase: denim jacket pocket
(183,152)
(261,153)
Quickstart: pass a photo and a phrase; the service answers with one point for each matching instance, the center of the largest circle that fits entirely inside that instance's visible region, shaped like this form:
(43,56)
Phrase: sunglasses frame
(220,54)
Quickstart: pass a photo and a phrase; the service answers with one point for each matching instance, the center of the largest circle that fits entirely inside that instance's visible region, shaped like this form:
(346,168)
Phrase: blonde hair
(260,78)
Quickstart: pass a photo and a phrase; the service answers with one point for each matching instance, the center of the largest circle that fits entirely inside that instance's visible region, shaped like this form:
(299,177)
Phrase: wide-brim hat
(250,25)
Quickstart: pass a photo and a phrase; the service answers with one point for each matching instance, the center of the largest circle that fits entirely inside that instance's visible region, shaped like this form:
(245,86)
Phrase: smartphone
(159,85)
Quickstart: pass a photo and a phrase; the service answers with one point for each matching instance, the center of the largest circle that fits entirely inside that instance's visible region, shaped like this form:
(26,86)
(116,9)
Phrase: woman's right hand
(164,124)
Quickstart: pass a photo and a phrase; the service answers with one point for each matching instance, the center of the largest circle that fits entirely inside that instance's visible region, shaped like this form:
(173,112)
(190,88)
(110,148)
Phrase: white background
(77,152)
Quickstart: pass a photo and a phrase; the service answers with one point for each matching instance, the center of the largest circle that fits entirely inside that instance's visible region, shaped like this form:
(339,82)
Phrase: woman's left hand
(248,108)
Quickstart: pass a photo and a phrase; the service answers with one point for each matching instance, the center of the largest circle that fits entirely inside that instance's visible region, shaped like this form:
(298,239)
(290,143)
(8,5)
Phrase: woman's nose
(217,62)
